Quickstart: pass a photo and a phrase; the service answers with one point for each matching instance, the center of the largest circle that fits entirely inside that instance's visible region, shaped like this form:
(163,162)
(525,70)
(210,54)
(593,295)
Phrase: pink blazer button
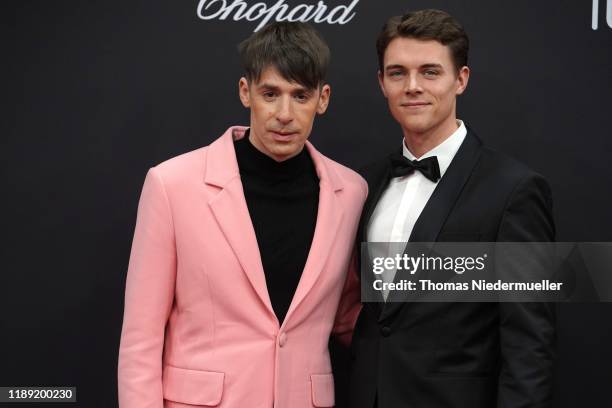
(282,339)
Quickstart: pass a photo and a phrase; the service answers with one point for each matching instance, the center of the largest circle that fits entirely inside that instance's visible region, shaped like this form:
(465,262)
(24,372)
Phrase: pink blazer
(199,328)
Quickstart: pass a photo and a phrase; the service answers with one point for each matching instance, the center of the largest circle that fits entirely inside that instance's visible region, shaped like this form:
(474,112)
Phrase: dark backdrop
(96,92)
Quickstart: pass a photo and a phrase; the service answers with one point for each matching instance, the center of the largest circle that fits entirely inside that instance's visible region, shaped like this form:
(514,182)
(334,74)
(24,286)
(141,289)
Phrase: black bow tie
(402,166)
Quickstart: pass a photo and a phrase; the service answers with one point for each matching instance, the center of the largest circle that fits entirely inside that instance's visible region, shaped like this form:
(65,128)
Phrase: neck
(420,143)
(277,158)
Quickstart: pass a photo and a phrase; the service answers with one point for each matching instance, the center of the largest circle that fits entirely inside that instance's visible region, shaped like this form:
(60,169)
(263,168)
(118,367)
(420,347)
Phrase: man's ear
(462,79)
(324,95)
(381,83)
(243,92)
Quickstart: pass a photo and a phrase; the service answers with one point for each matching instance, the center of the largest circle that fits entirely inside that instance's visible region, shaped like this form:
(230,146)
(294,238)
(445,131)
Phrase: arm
(527,330)
(350,305)
(149,294)
(350,300)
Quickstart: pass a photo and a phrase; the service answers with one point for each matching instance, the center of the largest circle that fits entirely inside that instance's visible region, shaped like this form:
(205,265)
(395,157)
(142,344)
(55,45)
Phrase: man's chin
(416,128)
(285,151)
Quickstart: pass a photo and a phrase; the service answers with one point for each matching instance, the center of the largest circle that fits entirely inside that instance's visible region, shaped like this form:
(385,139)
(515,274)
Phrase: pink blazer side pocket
(322,386)
(193,387)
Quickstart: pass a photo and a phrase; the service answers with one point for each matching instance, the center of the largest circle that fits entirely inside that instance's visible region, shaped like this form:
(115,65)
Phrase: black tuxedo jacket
(461,355)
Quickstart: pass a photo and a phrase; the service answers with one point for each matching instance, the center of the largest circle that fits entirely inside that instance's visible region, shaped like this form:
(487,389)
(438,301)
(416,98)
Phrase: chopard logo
(262,12)
(595,14)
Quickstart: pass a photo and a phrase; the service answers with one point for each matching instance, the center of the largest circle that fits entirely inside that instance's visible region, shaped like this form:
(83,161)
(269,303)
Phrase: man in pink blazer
(241,250)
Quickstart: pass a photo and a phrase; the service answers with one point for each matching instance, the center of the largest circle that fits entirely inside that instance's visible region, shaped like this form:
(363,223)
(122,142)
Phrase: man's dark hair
(295,49)
(427,24)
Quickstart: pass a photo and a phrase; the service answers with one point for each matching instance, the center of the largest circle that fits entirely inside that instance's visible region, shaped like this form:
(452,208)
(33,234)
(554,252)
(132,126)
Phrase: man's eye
(268,95)
(395,73)
(431,73)
(301,97)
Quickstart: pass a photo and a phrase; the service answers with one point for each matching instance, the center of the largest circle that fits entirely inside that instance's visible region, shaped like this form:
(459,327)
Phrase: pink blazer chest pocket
(322,386)
(193,387)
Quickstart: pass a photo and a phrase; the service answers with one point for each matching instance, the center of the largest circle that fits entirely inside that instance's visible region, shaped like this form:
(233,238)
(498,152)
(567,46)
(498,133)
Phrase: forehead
(271,77)
(412,52)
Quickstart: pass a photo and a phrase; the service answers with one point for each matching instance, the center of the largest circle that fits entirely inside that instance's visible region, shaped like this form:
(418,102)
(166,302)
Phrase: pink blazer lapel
(231,212)
(329,219)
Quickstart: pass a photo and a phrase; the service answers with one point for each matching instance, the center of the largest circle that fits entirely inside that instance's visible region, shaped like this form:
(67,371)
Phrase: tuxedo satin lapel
(440,204)
(232,214)
(437,209)
(329,218)
(377,183)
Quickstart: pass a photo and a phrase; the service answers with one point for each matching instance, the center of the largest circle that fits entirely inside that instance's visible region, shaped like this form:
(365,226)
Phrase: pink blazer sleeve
(350,305)
(148,299)
(350,300)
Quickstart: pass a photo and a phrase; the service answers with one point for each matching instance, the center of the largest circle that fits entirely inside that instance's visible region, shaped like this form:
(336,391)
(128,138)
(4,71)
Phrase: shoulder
(497,165)
(350,178)
(507,170)
(514,179)
(195,162)
(527,198)
(183,166)
(375,171)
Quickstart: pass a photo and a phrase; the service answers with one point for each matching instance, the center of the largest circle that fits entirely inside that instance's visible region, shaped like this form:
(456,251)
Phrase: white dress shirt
(403,201)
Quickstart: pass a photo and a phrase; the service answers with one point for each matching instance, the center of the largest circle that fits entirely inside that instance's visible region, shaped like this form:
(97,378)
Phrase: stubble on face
(282,113)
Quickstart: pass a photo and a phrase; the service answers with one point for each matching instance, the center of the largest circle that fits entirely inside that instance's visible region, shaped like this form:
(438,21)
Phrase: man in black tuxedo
(445,185)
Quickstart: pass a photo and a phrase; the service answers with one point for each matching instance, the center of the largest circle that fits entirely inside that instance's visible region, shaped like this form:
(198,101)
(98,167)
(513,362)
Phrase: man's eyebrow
(424,66)
(267,86)
(271,87)
(302,90)
(393,66)
(432,65)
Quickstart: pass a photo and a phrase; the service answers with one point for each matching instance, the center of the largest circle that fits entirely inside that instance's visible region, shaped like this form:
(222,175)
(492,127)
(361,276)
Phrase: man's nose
(284,113)
(412,84)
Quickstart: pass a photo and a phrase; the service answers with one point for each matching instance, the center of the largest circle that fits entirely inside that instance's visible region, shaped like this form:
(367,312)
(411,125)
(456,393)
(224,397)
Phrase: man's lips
(283,135)
(414,104)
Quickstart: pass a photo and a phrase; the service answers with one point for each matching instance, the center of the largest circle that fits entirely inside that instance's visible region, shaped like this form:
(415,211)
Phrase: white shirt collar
(445,151)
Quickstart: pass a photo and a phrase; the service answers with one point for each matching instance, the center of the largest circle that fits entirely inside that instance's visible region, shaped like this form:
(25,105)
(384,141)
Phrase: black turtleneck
(282,198)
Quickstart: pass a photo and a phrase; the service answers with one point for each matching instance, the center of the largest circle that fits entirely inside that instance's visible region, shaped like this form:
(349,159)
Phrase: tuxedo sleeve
(148,299)
(527,330)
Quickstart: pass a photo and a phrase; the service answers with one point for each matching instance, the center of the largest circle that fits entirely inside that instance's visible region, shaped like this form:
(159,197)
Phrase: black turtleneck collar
(252,161)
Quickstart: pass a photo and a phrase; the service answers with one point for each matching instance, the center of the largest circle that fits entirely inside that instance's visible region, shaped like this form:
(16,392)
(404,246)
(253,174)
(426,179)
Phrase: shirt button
(385,331)
(282,339)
